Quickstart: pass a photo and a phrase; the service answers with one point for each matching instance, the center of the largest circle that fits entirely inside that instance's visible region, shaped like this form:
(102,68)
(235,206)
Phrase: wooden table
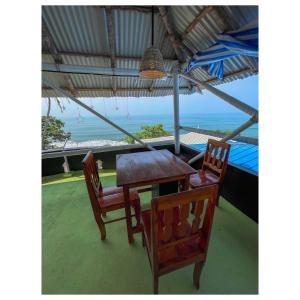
(148,168)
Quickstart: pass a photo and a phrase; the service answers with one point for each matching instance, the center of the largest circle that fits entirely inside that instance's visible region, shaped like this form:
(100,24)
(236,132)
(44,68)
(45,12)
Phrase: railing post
(66,165)
(176,109)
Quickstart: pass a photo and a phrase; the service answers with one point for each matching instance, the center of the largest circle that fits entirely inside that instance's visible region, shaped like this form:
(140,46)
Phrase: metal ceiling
(80,37)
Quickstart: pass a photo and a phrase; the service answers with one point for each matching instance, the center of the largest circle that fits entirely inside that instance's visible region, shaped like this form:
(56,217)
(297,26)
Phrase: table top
(150,167)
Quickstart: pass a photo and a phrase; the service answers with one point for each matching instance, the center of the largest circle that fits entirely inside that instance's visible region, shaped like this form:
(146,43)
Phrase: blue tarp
(241,154)
(239,42)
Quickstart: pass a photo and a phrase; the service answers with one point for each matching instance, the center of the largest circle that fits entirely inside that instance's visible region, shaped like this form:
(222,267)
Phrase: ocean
(91,128)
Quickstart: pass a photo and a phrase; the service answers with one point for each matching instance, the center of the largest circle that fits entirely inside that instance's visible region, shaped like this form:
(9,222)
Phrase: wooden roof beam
(70,86)
(92,70)
(108,72)
(57,57)
(179,48)
(103,56)
(209,81)
(88,89)
(226,76)
(189,28)
(229,75)
(49,42)
(171,33)
(196,20)
(231,24)
(193,24)
(141,9)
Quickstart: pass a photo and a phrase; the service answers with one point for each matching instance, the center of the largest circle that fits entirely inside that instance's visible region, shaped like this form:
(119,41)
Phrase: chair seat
(112,190)
(116,201)
(203,178)
(173,254)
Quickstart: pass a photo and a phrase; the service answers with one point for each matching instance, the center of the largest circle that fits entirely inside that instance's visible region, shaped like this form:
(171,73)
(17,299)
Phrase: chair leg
(197,272)
(219,193)
(102,229)
(143,239)
(155,284)
(137,211)
(193,207)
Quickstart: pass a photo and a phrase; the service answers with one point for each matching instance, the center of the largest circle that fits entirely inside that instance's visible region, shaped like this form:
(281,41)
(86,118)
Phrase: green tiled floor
(76,261)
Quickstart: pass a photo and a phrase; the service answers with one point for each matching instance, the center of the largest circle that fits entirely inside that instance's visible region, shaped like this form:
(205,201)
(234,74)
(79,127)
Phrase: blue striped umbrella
(243,41)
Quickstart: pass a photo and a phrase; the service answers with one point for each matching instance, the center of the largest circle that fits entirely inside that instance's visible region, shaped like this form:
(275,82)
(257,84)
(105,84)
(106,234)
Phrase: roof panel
(86,61)
(132,32)
(77,28)
(83,29)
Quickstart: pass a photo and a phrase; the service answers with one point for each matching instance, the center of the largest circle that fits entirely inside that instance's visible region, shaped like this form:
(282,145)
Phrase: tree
(227,132)
(148,131)
(52,131)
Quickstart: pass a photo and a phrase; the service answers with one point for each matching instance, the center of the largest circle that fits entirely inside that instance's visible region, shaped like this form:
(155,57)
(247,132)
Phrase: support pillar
(66,165)
(176,110)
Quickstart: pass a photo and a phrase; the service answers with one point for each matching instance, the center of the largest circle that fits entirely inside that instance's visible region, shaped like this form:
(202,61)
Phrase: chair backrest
(171,231)
(216,157)
(92,180)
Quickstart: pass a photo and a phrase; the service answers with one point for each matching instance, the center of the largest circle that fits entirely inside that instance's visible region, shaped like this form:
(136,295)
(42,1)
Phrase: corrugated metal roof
(80,34)
(87,61)
(77,28)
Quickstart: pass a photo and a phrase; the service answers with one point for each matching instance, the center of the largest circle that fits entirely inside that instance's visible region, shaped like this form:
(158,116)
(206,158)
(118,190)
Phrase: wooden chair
(104,200)
(171,241)
(214,166)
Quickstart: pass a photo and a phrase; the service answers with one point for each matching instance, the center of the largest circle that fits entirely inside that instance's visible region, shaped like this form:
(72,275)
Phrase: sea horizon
(91,128)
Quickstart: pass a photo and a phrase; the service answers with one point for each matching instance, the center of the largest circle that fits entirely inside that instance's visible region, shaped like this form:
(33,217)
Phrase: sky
(246,90)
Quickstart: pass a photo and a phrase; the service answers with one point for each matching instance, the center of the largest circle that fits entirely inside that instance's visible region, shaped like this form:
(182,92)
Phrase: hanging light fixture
(152,65)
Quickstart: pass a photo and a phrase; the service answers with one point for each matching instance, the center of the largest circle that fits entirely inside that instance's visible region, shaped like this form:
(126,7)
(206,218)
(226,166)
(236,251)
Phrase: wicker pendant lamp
(152,65)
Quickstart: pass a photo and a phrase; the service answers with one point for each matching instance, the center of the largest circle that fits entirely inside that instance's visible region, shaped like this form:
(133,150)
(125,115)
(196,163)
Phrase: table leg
(128,214)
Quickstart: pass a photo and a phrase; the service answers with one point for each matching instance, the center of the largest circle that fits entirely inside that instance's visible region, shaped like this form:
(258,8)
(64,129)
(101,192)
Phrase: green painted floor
(76,261)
